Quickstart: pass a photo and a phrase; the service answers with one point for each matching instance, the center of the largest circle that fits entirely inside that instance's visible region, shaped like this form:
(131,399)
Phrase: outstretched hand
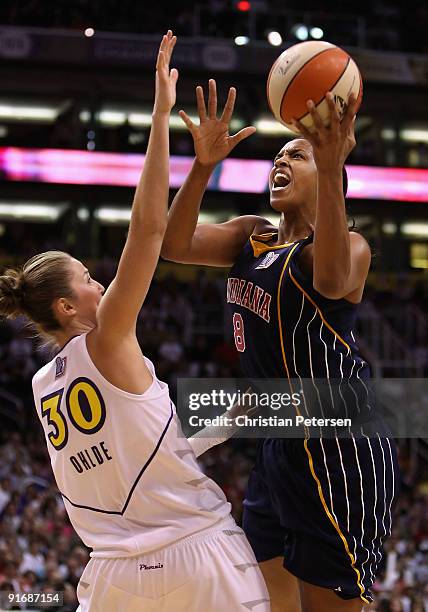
(166,80)
(333,142)
(211,137)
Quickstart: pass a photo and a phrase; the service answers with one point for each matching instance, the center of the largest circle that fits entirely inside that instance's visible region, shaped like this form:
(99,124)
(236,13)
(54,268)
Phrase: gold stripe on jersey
(326,323)
(278,307)
(334,523)
(259,247)
(278,303)
(305,442)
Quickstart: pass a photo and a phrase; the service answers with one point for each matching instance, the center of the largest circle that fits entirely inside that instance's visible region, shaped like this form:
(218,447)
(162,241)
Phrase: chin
(280,205)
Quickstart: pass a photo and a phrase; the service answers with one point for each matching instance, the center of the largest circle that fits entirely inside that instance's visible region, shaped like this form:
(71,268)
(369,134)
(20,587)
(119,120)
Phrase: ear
(63,309)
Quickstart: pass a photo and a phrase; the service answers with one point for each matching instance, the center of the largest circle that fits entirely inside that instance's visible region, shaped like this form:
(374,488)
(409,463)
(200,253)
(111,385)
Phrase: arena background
(76,87)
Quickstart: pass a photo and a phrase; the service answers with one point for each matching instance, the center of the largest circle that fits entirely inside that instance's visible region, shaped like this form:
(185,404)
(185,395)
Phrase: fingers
(349,117)
(303,130)
(171,41)
(317,121)
(189,123)
(212,99)
(241,135)
(174,75)
(229,106)
(334,114)
(334,119)
(200,101)
(212,103)
(160,62)
(166,48)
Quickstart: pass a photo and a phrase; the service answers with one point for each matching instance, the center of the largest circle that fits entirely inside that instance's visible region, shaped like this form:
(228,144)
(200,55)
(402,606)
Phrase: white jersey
(129,477)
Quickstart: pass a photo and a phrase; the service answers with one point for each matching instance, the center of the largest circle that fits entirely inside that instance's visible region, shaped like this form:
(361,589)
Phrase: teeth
(282,179)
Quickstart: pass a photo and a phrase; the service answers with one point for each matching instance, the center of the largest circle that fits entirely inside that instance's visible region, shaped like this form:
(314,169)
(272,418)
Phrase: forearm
(184,212)
(331,253)
(213,435)
(150,206)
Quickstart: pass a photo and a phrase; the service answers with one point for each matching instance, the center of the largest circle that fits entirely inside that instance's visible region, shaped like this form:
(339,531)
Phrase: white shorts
(214,570)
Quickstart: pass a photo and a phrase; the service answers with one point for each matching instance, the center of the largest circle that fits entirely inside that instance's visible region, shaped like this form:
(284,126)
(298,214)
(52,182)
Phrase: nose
(281,161)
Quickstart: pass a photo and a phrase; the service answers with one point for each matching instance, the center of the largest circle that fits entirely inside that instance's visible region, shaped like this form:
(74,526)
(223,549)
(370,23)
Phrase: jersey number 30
(238,332)
(85,408)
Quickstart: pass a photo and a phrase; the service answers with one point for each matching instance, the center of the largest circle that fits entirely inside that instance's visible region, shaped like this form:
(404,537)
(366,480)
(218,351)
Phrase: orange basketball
(307,71)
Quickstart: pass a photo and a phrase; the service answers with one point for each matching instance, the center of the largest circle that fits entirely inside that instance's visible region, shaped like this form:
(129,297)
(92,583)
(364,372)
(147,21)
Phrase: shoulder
(360,253)
(359,246)
(253,224)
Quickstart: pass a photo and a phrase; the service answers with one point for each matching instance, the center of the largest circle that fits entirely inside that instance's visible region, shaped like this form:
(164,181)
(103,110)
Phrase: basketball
(307,71)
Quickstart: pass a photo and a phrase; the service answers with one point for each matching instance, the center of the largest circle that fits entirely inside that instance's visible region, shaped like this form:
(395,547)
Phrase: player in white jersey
(161,531)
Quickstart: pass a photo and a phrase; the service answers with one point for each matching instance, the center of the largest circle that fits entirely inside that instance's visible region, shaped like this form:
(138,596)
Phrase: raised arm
(340,259)
(206,244)
(118,310)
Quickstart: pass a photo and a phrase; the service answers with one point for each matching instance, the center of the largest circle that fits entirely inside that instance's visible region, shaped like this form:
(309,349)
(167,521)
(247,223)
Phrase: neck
(63,336)
(294,226)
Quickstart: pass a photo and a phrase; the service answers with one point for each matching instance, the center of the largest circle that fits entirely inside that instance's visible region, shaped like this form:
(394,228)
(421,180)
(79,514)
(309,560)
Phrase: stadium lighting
(316,33)
(414,135)
(83,214)
(241,40)
(89,32)
(110,215)
(107,214)
(145,120)
(116,117)
(140,119)
(28,113)
(389,227)
(274,38)
(84,116)
(300,31)
(415,229)
(243,5)
(271,127)
(31,211)
(111,117)
(406,134)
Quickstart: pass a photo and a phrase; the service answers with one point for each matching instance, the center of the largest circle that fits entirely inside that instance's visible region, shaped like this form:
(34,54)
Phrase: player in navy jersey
(316,510)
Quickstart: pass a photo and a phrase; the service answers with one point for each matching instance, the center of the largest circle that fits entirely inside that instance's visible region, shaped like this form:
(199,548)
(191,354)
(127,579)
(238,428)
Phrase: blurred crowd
(39,551)
(182,329)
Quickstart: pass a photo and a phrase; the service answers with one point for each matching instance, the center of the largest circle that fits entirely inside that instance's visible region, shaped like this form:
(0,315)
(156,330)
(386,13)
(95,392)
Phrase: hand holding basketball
(166,80)
(307,71)
(211,137)
(333,142)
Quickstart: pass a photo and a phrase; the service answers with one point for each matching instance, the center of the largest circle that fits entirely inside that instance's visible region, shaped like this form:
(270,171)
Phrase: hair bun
(11,293)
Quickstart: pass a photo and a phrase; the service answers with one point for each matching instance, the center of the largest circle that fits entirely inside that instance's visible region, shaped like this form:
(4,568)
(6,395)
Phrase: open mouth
(280,181)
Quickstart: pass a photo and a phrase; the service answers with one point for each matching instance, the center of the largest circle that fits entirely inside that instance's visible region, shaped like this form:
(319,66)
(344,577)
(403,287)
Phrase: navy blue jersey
(282,325)
(333,496)
(284,328)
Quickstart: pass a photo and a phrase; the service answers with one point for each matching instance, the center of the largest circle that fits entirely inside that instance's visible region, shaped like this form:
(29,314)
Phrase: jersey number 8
(238,332)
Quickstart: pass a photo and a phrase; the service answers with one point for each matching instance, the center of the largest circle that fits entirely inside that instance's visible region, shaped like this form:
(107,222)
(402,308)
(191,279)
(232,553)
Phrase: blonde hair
(32,289)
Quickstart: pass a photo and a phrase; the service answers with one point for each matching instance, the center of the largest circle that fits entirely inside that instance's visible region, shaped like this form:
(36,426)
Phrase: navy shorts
(325,505)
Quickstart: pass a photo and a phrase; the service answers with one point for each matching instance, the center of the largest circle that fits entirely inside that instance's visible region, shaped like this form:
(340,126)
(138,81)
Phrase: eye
(298,155)
(89,279)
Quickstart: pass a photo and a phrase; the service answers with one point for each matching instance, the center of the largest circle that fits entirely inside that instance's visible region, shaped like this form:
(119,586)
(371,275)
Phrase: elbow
(174,249)
(154,232)
(168,251)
